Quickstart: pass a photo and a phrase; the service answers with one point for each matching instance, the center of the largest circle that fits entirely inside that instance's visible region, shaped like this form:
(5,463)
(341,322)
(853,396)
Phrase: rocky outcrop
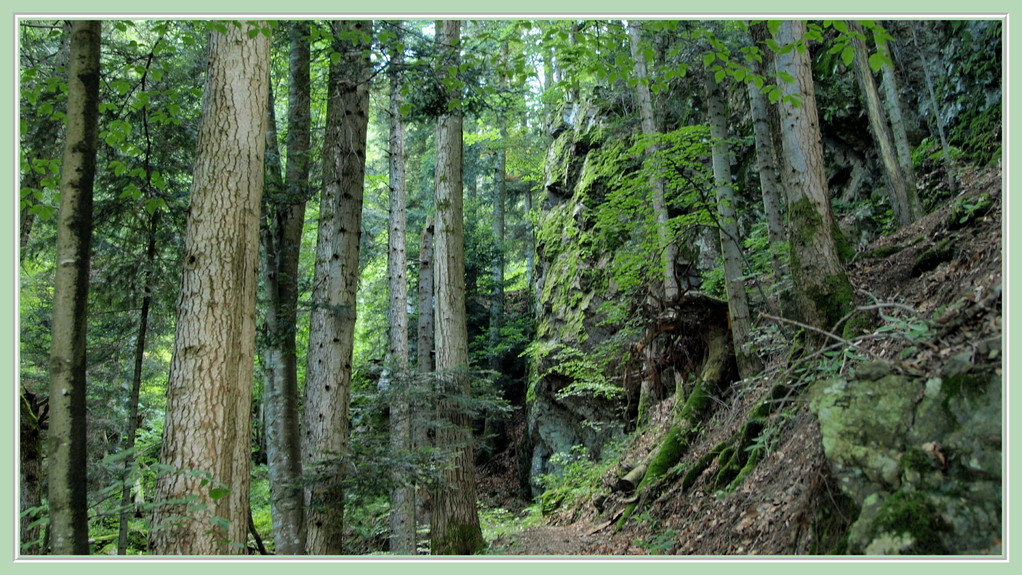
(571,404)
(920,457)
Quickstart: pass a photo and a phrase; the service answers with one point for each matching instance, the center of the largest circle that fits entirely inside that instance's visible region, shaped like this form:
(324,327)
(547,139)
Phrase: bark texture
(331,340)
(903,198)
(455,521)
(66,457)
(282,235)
(765,124)
(203,500)
(402,498)
(737,299)
(822,291)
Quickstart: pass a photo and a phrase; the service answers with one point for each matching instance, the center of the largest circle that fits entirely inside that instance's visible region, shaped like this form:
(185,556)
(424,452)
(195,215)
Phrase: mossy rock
(908,524)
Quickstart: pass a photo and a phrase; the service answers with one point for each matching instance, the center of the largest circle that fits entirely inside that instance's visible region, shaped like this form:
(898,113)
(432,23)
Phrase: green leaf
(847,55)
(708,58)
(720,75)
(773,26)
(876,61)
(218,493)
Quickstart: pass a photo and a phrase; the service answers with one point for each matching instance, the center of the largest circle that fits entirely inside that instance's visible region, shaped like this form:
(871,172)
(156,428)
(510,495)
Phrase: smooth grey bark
(822,292)
(903,199)
(764,124)
(668,249)
(281,238)
(892,103)
(335,282)
(734,283)
(203,501)
(455,524)
(66,457)
(938,120)
(402,496)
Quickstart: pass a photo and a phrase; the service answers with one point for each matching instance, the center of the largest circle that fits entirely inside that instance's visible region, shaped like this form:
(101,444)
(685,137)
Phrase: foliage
(580,478)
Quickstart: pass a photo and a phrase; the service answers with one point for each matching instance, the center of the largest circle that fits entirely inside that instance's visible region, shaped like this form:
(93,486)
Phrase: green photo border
(455,8)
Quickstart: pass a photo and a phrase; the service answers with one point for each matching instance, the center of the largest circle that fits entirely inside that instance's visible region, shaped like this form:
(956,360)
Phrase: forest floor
(944,270)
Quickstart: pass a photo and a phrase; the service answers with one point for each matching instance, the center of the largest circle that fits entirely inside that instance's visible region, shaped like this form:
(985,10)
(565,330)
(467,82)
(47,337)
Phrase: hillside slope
(888,443)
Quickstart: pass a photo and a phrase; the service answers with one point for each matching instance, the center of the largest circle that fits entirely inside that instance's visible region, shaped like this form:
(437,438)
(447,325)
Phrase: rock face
(921,457)
(570,402)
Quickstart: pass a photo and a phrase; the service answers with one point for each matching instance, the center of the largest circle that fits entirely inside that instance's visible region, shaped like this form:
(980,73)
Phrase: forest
(536,287)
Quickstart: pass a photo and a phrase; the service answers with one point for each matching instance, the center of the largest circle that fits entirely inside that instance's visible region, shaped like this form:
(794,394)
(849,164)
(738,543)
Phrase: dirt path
(567,541)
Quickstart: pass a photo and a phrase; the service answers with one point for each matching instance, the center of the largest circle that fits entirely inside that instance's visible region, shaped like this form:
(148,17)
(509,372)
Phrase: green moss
(459,539)
(750,464)
(915,459)
(912,514)
(833,298)
(884,252)
(933,257)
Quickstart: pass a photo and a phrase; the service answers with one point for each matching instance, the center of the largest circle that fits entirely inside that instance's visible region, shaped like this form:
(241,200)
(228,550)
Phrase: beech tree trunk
(455,524)
(892,103)
(668,249)
(66,462)
(737,299)
(938,120)
(402,496)
(903,199)
(765,124)
(823,293)
(203,502)
(282,236)
(335,282)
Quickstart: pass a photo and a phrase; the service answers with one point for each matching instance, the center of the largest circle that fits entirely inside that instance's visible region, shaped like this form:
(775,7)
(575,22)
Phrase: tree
(402,500)
(737,299)
(765,128)
(892,103)
(904,200)
(455,526)
(668,249)
(331,335)
(203,493)
(281,239)
(67,434)
(822,291)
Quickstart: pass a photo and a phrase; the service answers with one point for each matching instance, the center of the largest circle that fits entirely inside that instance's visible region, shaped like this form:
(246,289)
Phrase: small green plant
(579,478)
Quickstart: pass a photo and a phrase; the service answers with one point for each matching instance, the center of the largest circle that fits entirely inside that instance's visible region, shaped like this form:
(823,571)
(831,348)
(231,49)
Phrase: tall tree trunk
(136,385)
(282,237)
(335,282)
(822,291)
(424,352)
(938,120)
(903,199)
(765,124)
(892,103)
(67,433)
(668,249)
(31,420)
(402,496)
(203,503)
(737,299)
(499,224)
(455,526)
